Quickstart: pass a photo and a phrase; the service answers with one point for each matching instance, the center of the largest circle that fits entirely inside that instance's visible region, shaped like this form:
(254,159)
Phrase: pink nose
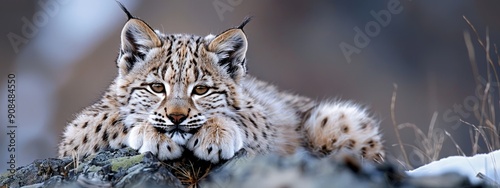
(177,118)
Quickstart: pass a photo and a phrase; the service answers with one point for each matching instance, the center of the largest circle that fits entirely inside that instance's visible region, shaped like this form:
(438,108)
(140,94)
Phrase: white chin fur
(180,139)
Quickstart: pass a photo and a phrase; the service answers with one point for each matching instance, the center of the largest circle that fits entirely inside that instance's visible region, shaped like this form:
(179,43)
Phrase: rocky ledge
(127,168)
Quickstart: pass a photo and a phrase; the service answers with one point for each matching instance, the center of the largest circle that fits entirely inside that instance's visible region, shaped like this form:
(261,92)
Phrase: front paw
(146,138)
(219,139)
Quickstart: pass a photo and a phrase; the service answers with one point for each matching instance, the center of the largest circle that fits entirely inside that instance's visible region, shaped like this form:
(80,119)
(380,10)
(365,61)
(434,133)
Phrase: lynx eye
(157,88)
(200,90)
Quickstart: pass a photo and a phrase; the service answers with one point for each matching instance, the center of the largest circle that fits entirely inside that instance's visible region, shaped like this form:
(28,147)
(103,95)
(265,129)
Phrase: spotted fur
(177,93)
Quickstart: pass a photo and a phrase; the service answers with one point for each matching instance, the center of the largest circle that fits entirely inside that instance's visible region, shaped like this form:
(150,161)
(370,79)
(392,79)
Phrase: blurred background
(63,51)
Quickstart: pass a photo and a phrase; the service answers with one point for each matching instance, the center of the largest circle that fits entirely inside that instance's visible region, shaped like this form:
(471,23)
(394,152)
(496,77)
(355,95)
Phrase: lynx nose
(177,118)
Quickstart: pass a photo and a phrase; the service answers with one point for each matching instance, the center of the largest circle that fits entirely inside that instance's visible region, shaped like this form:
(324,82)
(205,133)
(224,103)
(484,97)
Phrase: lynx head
(177,82)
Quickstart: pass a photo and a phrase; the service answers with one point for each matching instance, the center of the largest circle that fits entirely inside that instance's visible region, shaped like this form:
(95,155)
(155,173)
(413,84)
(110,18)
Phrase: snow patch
(487,164)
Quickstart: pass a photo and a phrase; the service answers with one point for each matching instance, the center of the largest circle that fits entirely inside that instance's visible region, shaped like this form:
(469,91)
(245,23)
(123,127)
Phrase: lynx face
(175,83)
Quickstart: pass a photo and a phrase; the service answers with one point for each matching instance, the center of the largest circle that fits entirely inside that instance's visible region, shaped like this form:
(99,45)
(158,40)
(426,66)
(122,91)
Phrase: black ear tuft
(245,21)
(129,16)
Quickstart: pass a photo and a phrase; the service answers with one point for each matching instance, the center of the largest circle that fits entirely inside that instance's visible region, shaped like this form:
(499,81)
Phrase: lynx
(178,93)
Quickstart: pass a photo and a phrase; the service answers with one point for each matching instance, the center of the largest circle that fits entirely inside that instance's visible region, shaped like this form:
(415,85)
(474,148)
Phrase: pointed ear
(137,39)
(231,47)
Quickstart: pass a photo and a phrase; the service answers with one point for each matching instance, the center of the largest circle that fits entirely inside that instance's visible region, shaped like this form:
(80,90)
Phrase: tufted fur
(153,105)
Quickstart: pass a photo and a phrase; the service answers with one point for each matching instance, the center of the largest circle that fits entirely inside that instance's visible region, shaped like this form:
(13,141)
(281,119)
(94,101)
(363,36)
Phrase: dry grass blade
(472,56)
(482,133)
(420,152)
(487,113)
(418,131)
(459,150)
(496,53)
(71,165)
(474,136)
(393,117)
(190,175)
(494,137)
(483,105)
(492,108)
(436,137)
(76,162)
(429,144)
(486,46)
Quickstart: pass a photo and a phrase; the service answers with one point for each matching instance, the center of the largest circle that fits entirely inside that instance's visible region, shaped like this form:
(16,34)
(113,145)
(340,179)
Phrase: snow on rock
(487,164)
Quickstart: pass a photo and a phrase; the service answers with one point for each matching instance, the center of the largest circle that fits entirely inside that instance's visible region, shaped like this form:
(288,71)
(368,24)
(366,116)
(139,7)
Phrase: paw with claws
(219,139)
(146,138)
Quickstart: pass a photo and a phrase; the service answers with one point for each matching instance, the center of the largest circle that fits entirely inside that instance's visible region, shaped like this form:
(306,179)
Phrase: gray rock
(117,168)
(36,172)
(127,168)
(303,171)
